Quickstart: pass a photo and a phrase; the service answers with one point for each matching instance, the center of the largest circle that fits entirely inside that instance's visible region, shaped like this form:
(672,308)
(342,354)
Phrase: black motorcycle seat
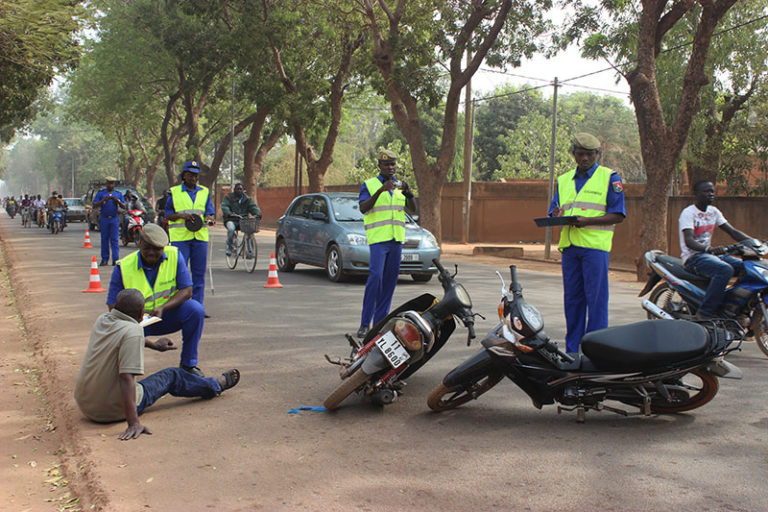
(676,267)
(645,345)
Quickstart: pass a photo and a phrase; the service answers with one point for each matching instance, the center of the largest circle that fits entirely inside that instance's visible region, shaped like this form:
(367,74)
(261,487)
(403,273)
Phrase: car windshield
(346,209)
(74,202)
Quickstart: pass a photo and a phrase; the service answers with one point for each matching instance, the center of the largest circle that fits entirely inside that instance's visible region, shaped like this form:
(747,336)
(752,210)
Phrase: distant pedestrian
(594,195)
(108,200)
(382,201)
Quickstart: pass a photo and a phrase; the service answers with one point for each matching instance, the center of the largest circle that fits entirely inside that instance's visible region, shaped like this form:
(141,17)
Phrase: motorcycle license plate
(409,257)
(393,350)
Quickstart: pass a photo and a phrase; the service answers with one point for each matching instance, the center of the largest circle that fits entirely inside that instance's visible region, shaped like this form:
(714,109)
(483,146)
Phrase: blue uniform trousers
(384,269)
(195,252)
(177,382)
(585,293)
(187,318)
(110,237)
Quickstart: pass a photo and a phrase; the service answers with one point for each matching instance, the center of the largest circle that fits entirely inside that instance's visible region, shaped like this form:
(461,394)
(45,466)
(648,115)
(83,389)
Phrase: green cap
(584,140)
(154,235)
(385,155)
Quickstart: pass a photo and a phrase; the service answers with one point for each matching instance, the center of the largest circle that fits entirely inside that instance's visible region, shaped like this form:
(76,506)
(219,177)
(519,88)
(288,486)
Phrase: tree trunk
(254,156)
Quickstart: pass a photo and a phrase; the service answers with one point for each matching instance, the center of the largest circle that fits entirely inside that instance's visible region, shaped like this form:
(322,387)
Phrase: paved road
(242,451)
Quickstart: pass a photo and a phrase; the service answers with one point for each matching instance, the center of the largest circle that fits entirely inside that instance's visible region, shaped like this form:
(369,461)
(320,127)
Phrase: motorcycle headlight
(356,239)
(463,295)
(532,317)
(429,242)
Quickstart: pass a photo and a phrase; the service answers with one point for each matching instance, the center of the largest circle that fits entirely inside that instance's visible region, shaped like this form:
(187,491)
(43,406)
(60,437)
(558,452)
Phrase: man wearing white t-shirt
(697,223)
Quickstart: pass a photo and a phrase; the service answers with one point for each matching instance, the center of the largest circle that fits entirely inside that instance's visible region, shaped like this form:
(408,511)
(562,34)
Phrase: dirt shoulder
(43,465)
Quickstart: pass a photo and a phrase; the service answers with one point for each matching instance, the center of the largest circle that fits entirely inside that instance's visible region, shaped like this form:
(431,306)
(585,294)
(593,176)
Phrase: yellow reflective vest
(589,202)
(386,220)
(165,284)
(182,203)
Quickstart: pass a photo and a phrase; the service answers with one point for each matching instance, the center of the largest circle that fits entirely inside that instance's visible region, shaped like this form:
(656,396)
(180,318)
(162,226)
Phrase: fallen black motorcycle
(401,343)
(655,366)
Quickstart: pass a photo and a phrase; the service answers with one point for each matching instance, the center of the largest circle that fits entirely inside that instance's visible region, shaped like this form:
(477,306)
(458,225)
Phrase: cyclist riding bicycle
(235,206)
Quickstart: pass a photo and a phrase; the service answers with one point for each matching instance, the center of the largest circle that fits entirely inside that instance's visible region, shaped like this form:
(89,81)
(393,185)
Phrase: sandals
(231,378)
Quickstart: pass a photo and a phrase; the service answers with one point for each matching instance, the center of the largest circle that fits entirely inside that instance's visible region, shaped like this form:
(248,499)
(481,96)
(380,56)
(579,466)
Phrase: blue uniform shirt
(365,195)
(193,194)
(183,279)
(109,208)
(614,201)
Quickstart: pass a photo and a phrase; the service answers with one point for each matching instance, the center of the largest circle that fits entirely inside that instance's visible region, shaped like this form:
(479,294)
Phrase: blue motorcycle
(57,220)
(679,292)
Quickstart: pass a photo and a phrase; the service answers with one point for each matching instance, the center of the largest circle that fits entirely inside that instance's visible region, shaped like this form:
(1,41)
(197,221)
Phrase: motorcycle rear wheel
(760,331)
(460,395)
(346,388)
(669,300)
(691,391)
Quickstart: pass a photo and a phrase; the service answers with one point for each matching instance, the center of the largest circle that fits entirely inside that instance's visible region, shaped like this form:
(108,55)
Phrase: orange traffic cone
(94,283)
(87,243)
(272,281)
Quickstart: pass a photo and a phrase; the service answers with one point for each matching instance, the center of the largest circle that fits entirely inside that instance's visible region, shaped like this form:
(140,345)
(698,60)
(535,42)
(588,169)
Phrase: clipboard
(543,222)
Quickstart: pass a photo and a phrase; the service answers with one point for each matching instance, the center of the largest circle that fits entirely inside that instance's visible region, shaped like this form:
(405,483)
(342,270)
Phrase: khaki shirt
(55,202)
(116,346)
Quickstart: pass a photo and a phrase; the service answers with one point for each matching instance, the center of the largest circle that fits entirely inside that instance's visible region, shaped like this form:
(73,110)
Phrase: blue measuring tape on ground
(307,408)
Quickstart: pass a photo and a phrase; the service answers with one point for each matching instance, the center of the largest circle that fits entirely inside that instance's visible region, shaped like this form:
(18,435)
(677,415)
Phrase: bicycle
(245,243)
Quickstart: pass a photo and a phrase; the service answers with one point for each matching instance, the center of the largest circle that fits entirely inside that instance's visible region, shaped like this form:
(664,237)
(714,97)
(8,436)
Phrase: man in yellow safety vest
(184,209)
(160,273)
(592,196)
(382,201)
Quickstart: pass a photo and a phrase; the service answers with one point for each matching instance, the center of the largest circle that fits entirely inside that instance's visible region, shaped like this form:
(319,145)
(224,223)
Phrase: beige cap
(110,178)
(154,235)
(385,155)
(586,141)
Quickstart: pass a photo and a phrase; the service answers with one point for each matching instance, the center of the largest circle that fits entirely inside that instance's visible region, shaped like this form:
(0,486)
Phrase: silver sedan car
(326,230)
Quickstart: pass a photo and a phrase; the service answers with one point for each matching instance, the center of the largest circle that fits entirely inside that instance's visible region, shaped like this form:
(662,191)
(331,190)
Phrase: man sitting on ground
(106,390)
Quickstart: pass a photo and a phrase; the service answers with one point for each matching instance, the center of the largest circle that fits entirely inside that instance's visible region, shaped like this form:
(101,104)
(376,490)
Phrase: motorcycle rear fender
(724,369)
(375,362)
(475,367)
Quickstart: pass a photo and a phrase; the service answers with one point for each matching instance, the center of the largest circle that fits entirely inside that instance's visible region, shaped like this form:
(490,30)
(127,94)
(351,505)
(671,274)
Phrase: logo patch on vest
(617,187)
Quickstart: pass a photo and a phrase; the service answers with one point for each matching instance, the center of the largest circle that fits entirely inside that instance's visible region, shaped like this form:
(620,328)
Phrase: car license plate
(392,349)
(409,257)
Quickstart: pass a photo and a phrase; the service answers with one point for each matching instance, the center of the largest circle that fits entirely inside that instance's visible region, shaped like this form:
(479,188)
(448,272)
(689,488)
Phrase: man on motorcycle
(233,205)
(132,202)
(53,202)
(696,224)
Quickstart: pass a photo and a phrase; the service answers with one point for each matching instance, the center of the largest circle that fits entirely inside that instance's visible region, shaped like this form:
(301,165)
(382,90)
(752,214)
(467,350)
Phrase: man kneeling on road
(160,273)
(106,390)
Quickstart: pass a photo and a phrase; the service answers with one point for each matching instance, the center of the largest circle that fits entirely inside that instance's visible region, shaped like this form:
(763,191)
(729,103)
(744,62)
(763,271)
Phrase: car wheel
(284,263)
(334,265)
(421,278)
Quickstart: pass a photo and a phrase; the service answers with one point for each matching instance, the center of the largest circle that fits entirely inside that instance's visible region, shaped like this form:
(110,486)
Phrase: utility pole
(551,192)
(469,112)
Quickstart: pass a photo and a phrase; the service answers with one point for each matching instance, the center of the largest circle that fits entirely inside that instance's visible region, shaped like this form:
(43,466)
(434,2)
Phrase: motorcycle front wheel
(669,300)
(690,391)
(760,331)
(346,388)
(444,398)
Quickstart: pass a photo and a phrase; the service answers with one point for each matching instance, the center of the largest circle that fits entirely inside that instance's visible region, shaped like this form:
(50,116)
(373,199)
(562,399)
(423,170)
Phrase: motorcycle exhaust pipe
(383,396)
(656,310)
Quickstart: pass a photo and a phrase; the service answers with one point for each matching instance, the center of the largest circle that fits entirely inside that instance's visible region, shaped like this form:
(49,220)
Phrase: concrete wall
(504,213)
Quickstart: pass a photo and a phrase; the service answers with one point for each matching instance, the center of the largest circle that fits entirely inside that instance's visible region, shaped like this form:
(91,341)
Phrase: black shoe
(114,263)
(206,315)
(362,331)
(192,369)
(103,263)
